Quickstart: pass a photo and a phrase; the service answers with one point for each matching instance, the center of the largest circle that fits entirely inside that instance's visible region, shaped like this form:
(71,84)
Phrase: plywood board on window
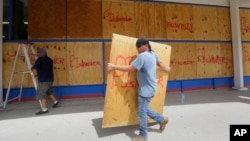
(209,60)
(57,51)
(179,21)
(47,19)
(144,13)
(118,17)
(226,57)
(205,23)
(245,24)
(159,21)
(246,58)
(107,49)
(84,19)
(224,25)
(183,61)
(84,62)
(120,108)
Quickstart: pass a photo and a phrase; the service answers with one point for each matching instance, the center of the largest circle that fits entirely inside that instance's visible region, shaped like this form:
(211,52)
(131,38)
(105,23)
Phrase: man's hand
(125,68)
(164,67)
(168,69)
(110,66)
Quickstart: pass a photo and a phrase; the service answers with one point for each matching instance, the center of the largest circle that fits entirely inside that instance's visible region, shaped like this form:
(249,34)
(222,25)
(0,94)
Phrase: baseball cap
(141,41)
(42,51)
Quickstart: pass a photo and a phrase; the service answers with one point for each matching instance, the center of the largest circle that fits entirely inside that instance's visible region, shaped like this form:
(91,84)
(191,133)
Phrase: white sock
(55,101)
(44,109)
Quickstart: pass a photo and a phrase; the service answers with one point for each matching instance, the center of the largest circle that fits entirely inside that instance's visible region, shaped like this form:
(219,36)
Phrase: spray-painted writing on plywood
(180,26)
(210,58)
(111,17)
(76,62)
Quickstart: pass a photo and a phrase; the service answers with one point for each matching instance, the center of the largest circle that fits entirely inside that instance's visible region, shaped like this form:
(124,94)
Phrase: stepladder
(22,65)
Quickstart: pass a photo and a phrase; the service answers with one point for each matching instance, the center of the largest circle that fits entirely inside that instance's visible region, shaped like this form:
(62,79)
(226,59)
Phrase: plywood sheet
(179,21)
(213,60)
(47,19)
(120,108)
(84,19)
(159,21)
(205,23)
(245,24)
(226,57)
(84,62)
(224,25)
(118,17)
(183,61)
(107,48)
(246,58)
(144,13)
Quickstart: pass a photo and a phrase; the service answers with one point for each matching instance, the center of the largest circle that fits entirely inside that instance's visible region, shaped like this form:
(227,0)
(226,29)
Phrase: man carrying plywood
(145,63)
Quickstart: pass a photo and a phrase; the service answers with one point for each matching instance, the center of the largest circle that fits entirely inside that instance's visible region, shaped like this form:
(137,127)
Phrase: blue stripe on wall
(61,92)
(98,90)
(247,80)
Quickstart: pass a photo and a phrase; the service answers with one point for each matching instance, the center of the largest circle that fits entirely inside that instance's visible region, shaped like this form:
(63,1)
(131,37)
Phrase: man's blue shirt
(145,63)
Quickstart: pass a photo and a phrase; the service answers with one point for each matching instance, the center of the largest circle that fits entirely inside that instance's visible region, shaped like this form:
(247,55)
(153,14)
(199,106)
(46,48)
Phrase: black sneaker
(42,112)
(55,104)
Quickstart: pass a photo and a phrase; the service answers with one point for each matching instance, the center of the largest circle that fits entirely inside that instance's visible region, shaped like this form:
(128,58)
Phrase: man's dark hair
(143,41)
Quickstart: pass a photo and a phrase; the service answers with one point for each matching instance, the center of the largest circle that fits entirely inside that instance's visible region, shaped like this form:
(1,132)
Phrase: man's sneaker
(42,112)
(138,138)
(163,124)
(55,104)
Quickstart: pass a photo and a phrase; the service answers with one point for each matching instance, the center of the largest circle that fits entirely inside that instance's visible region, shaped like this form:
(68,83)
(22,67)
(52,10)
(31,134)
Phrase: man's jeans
(144,111)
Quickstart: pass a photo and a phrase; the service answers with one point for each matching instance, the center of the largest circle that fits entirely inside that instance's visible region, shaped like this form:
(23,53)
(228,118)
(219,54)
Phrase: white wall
(206,2)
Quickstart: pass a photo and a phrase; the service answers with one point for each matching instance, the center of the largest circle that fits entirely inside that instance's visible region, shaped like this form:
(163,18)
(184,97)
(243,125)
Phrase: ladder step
(22,71)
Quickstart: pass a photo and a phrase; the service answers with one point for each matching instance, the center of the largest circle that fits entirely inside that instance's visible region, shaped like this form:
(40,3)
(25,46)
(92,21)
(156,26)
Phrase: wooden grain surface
(120,108)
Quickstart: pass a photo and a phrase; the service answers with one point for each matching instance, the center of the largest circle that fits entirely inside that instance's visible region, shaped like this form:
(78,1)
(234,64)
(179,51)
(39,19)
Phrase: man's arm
(164,67)
(128,68)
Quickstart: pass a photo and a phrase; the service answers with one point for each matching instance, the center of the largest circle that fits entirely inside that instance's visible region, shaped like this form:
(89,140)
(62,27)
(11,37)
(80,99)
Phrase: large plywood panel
(107,48)
(84,19)
(213,60)
(246,58)
(245,24)
(205,23)
(120,108)
(144,13)
(47,19)
(226,55)
(57,51)
(183,61)
(84,63)
(118,17)
(179,21)
(159,21)
(224,25)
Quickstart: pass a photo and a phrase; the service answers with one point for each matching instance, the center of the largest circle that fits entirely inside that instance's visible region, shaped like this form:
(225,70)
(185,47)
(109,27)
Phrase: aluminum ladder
(25,47)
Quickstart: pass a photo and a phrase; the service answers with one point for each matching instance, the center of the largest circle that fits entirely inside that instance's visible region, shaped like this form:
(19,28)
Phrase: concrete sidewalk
(205,116)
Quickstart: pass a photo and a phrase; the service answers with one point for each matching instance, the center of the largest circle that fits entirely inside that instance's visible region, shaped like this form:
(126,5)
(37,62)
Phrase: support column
(1,53)
(237,45)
